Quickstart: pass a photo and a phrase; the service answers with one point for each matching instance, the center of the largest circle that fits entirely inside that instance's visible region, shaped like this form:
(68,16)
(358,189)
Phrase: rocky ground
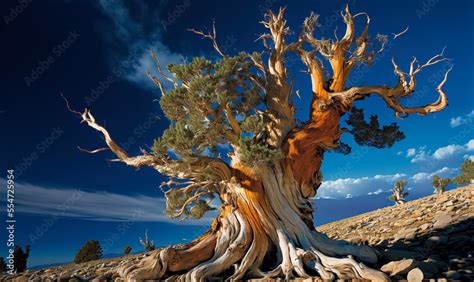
(431,238)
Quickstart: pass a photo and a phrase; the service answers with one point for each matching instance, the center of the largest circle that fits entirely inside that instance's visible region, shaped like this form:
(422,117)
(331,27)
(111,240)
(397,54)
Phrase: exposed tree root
(259,239)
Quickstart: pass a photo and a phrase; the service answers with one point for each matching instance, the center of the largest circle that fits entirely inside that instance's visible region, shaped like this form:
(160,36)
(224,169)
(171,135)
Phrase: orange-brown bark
(305,145)
(193,253)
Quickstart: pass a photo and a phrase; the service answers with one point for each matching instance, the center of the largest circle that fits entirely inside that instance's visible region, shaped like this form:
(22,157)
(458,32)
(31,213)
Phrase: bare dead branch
(392,95)
(160,70)
(212,36)
(157,83)
(92,151)
(68,107)
(396,35)
(174,168)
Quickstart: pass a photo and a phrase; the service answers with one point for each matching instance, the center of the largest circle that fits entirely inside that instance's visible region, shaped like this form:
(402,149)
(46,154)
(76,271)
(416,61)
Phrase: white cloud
(456,121)
(354,187)
(449,152)
(470,145)
(422,177)
(411,152)
(460,120)
(379,191)
(97,206)
(419,183)
(129,40)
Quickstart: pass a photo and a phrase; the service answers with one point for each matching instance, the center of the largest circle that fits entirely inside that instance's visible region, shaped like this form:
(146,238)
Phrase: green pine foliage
(199,208)
(467,172)
(3,265)
(254,153)
(399,189)
(440,184)
(196,108)
(370,133)
(126,250)
(21,258)
(91,250)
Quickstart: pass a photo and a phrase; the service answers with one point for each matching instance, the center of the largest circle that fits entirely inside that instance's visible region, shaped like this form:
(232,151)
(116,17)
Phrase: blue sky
(94,53)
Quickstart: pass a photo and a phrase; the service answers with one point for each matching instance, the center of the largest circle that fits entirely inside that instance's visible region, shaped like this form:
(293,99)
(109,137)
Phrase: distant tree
(127,250)
(21,258)
(149,246)
(90,251)
(467,172)
(399,194)
(3,265)
(440,184)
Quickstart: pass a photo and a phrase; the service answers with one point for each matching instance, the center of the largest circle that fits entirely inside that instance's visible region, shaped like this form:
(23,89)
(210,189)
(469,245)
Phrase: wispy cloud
(130,38)
(97,206)
(460,120)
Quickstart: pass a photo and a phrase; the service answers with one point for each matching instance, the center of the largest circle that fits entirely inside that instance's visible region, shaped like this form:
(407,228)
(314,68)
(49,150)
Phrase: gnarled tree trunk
(266,224)
(264,230)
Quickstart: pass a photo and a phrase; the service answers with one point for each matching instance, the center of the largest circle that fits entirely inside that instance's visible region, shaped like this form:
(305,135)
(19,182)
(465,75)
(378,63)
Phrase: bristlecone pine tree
(90,251)
(20,261)
(127,250)
(149,246)
(440,184)
(467,173)
(244,104)
(399,193)
(3,265)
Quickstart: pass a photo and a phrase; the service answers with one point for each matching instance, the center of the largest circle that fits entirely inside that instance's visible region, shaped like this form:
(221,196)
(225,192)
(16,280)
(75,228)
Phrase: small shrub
(399,193)
(3,265)
(21,258)
(90,251)
(148,245)
(440,184)
(127,250)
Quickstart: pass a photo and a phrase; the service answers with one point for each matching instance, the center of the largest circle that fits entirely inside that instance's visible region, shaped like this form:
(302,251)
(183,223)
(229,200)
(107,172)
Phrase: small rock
(417,214)
(449,203)
(442,221)
(409,221)
(436,240)
(452,275)
(415,275)
(425,226)
(410,234)
(399,267)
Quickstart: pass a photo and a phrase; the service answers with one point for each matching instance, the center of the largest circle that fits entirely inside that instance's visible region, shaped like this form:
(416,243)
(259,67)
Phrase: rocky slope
(429,238)
(433,235)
